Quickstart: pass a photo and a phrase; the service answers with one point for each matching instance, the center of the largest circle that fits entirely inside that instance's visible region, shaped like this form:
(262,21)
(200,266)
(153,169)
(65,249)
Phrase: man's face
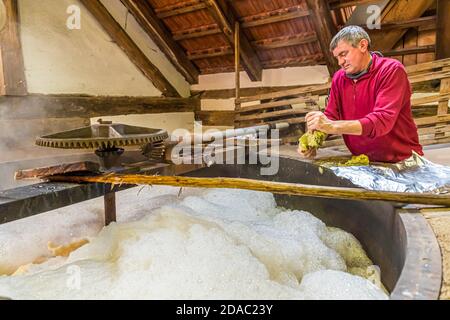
(351,59)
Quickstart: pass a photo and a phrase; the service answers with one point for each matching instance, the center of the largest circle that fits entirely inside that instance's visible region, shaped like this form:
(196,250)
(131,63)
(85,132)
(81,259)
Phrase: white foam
(203,244)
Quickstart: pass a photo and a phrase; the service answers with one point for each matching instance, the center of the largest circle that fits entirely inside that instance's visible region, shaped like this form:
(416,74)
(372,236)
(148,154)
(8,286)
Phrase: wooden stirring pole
(266,186)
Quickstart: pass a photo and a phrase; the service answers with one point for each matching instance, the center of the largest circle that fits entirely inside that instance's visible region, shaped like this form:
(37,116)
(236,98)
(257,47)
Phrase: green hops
(312,140)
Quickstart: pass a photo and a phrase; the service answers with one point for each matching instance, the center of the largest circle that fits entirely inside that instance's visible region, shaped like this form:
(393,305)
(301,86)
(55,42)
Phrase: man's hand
(309,154)
(316,120)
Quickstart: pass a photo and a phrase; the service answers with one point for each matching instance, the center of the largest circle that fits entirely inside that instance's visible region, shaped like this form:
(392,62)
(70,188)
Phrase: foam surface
(200,244)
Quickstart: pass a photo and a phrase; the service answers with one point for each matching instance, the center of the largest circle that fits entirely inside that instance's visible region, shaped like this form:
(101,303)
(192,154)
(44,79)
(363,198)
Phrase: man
(369,102)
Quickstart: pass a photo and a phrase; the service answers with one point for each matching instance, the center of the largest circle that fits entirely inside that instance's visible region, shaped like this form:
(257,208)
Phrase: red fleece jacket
(381,101)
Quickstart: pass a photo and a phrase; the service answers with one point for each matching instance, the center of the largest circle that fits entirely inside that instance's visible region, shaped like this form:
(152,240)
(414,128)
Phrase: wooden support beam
(285,41)
(197,32)
(399,10)
(286,102)
(279,15)
(157,31)
(406,51)
(180,8)
(443,29)
(427,22)
(435,98)
(335,5)
(123,40)
(428,66)
(325,30)
(71,106)
(12,70)
(225,17)
(210,53)
(305,60)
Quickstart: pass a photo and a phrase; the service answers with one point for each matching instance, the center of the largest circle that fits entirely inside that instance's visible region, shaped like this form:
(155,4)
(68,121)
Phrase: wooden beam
(429,21)
(428,66)
(245,92)
(197,32)
(406,51)
(305,60)
(285,41)
(281,103)
(12,70)
(443,29)
(210,53)
(216,118)
(399,10)
(180,8)
(123,40)
(325,30)
(67,106)
(274,16)
(225,17)
(157,31)
(435,98)
(335,5)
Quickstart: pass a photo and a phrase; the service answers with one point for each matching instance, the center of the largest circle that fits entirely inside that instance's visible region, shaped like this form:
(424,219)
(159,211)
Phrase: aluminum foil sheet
(415,174)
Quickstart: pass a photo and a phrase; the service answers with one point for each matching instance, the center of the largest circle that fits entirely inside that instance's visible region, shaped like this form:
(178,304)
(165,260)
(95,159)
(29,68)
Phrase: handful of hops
(361,160)
(312,140)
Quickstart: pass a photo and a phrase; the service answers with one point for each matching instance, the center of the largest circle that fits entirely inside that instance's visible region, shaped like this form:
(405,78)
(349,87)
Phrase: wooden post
(237,64)
(12,70)
(443,52)
(110,208)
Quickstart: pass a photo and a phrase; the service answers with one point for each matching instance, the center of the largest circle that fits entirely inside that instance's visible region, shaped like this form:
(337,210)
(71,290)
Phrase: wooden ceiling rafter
(335,5)
(180,8)
(210,53)
(135,54)
(226,18)
(285,41)
(422,22)
(156,30)
(197,32)
(274,16)
(325,30)
(399,10)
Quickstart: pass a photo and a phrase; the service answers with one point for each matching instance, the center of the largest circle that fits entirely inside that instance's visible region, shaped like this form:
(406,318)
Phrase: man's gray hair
(351,34)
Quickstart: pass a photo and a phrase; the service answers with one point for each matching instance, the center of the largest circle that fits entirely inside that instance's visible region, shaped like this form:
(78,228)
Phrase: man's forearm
(351,127)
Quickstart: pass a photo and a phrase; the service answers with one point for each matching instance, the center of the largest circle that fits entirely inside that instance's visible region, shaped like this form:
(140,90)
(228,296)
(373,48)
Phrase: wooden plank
(274,114)
(433,130)
(443,29)
(430,99)
(432,120)
(197,32)
(304,60)
(290,92)
(407,51)
(427,66)
(285,41)
(123,40)
(274,16)
(157,31)
(77,167)
(13,80)
(325,30)
(225,17)
(428,77)
(335,5)
(210,53)
(422,22)
(66,106)
(286,102)
(245,92)
(399,10)
(180,8)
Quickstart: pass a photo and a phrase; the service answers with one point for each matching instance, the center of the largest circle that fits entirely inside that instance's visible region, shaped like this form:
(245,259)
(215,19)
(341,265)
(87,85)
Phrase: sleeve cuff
(367,127)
